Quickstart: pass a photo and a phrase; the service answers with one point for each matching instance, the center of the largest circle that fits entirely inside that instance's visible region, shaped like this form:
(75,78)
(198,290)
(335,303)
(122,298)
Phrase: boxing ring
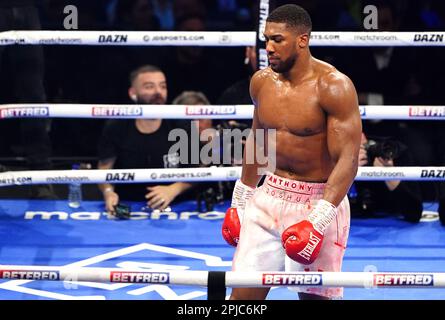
(50,251)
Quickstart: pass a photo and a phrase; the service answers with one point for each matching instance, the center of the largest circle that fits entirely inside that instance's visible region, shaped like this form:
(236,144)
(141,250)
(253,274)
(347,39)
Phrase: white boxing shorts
(276,205)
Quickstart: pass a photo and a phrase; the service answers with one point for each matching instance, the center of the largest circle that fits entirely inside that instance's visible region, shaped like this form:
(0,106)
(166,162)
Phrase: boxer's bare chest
(295,109)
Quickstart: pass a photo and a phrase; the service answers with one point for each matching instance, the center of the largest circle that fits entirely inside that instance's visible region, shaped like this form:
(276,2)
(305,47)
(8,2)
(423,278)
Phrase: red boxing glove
(234,215)
(231,227)
(302,241)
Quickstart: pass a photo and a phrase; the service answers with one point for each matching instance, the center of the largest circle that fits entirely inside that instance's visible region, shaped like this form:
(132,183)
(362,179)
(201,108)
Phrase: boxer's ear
(303,40)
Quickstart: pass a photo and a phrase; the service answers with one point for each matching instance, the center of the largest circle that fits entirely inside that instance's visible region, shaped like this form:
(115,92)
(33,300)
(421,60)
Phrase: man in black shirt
(140,143)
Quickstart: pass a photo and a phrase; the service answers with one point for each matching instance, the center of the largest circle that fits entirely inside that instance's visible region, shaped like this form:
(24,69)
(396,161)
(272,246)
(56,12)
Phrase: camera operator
(391,196)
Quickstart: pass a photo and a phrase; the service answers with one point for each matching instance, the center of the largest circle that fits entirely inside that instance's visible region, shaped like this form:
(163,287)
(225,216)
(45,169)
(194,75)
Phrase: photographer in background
(391,196)
(236,94)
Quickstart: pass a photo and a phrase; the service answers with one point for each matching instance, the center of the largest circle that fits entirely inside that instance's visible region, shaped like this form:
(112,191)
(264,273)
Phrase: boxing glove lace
(234,215)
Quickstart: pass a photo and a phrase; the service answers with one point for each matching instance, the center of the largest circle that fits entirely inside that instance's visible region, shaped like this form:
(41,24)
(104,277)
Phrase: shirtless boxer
(298,220)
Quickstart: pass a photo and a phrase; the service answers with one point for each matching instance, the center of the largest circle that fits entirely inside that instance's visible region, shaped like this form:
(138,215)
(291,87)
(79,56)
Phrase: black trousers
(23,67)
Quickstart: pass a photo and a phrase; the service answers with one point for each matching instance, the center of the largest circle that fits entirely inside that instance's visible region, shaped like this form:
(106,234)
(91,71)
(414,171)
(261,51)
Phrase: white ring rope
(232,279)
(195,175)
(118,111)
(119,175)
(212,38)
(132,111)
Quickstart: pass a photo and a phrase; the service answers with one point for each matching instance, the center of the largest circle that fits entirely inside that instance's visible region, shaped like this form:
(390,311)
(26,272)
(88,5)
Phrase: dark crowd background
(99,74)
